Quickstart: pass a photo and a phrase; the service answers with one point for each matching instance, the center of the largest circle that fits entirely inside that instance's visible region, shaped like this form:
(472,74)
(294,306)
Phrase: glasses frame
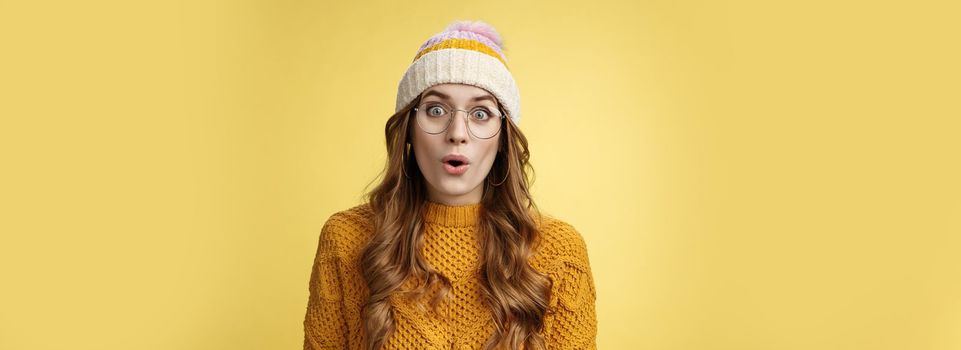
(450,117)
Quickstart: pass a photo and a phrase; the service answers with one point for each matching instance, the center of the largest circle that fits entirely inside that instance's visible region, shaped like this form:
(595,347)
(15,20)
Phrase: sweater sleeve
(571,322)
(324,324)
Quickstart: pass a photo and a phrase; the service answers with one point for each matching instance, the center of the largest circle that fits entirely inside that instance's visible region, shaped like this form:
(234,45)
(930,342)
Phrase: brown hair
(518,295)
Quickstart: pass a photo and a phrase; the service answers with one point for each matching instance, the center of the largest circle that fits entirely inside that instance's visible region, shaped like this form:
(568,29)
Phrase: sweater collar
(451,215)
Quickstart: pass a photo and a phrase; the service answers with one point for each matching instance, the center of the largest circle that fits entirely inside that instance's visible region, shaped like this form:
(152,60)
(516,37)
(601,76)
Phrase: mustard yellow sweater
(338,291)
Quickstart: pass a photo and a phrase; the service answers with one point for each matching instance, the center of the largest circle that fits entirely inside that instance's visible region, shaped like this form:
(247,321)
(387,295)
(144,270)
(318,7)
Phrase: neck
(472,197)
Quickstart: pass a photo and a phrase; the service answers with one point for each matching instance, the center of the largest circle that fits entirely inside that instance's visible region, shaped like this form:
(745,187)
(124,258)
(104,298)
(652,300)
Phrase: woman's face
(444,183)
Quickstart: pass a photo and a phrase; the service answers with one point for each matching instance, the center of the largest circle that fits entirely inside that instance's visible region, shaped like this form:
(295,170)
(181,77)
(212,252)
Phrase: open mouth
(456,167)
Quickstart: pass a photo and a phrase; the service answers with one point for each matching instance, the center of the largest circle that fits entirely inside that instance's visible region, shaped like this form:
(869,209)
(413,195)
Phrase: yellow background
(747,175)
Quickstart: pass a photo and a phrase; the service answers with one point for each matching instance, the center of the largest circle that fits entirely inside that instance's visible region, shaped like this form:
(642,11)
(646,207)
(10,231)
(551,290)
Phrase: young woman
(449,251)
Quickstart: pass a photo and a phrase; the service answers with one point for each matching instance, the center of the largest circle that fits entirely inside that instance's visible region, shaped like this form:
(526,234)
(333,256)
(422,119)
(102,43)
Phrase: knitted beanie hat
(466,52)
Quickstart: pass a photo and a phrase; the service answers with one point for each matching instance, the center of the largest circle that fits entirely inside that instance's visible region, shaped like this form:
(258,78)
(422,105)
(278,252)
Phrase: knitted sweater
(338,291)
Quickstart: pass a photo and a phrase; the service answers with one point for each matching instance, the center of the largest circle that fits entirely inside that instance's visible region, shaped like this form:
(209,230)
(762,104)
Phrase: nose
(457,132)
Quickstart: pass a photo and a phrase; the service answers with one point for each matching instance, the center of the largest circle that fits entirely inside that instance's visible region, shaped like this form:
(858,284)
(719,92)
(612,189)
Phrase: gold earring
(502,181)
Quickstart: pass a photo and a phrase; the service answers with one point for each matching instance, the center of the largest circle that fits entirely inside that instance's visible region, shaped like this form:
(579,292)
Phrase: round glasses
(435,118)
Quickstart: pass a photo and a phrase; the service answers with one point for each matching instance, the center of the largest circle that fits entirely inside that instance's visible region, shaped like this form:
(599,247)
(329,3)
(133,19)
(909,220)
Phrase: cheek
(425,150)
(489,156)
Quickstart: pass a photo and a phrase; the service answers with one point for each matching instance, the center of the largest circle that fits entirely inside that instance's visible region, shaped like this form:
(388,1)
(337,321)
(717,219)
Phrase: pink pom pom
(479,27)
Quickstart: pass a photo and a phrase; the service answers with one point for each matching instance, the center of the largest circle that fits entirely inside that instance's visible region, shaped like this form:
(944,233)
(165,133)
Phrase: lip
(455,156)
(458,170)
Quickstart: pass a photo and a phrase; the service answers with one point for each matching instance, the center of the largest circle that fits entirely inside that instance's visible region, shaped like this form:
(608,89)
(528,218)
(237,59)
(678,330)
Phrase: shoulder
(561,244)
(563,257)
(345,231)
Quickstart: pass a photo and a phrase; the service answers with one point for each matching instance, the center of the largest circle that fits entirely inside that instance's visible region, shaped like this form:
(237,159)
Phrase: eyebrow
(446,97)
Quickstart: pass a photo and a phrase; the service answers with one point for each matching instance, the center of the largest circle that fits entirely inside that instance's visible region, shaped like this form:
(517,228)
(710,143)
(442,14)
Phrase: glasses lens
(484,123)
(433,118)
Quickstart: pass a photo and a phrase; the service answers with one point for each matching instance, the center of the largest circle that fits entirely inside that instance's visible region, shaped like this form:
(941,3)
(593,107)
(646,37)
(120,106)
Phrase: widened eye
(436,111)
(481,113)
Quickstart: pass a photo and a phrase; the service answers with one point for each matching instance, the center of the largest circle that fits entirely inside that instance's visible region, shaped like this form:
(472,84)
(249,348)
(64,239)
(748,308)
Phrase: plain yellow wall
(747,175)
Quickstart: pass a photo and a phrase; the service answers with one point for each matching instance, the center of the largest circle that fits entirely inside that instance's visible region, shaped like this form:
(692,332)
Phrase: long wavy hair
(518,295)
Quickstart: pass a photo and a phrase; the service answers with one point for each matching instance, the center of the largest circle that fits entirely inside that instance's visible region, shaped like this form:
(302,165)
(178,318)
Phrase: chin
(456,186)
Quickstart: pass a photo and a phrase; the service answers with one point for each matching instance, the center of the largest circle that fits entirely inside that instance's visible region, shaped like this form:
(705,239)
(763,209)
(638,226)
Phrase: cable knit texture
(338,291)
